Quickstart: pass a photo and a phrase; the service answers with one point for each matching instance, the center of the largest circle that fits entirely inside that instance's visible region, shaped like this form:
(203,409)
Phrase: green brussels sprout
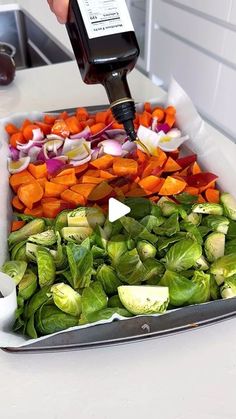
(230,247)
(225,266)
(155,210)
(130,268)
(228,289)
(150,222)
(183,255)
(181,289)
(76,234)
(146,250)
(112,228)
(66,299)
(214,246)
(15,269)
(194,218)
(169,227)
(46,238)
(192,231)
(116,247)
(169,208)
(144,299)
(203,230)
(164,242)
(46,267)
(214,289)
(137,230)
(27,285)
(97,252)
(186,198)
(201,264)
(100,237)
(154,271)
(33,227)
(208,208)
(61,220)
(104,314)
(18,252)
(106,275)
(30,328)
(229,205)
(86,217)
(201,292)
(49,319)
(231,233)
(114,301)
(36,301)
(140,207)
(217,223)
(93,299)
(81,265)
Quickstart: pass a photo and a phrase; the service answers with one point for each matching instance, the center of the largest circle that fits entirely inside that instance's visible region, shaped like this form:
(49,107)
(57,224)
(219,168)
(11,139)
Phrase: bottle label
(105,17)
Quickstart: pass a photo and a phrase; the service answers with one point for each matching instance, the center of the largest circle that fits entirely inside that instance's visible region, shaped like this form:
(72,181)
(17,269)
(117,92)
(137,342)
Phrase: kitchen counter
(190,375)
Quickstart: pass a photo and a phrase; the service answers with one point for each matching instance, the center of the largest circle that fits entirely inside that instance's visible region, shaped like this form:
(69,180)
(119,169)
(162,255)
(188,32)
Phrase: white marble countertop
(190,375)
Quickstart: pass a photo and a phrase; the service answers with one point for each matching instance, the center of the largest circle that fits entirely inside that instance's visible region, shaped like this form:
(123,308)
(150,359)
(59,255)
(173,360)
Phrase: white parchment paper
(215,153)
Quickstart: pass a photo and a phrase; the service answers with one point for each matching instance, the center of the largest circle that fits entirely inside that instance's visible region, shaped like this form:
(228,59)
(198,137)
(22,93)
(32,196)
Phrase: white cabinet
(140,12)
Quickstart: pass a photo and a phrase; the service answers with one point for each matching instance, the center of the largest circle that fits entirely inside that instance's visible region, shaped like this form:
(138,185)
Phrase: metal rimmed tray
(136,328)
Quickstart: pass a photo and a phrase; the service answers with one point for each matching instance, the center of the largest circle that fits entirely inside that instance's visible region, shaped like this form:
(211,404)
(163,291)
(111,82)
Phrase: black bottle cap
(124,113)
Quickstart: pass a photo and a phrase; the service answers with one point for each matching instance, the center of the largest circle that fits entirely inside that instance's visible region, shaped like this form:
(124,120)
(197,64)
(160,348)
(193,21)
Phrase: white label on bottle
(105,17)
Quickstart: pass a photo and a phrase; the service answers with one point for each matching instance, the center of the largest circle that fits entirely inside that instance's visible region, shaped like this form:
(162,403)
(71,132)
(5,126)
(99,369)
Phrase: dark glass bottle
(106,49)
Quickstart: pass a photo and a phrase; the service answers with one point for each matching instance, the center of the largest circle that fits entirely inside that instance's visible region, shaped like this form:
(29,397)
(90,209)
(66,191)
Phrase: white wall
(195,41)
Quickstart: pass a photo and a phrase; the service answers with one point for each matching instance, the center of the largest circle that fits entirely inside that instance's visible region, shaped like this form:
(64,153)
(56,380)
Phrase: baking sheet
(217,154)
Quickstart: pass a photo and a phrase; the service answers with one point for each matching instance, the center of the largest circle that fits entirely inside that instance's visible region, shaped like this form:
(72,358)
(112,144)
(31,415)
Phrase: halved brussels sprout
(154,271)
(106,275)
(116,247)
(144,299)
(181,289)
(46,267)
(214,289)
(130,268)
(194,218)
(49,319)
(46,238)
(114,301)
(224,266)
(228,289)
(146,250)
(150,222)
(230,247)
(76,234)
(214,246)
(66,299)
(18,252)
(81,265)
(169,227)
(137,230)
(104,314)
(93,298)
(217,223)
(33,227)
(201,292)
(86,217)
(201,264)
(208,208)
(229,204)
(27,285)
(36,301)
(15,269)
(140,207)
(183,255)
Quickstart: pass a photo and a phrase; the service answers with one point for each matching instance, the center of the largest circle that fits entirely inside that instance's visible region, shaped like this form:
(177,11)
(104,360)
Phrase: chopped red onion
(112,147)
(14,153)
(163,127)
(86,134)
(53,165)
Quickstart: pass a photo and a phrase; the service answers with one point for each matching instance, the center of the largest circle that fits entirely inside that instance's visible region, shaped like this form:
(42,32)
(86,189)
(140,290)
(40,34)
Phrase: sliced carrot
(96,128)
(11,129)
(172,186)
(116,125)
(100,192)
(80,169)
(88,123)
(45,128)
(18,137)
(17,204)
(171,165)
(73,125)
(28,131)
(107,175)
(16,225)
(103,163)
(20,178)
(42,181)
(141,156)
(212,195)
(45,200)
(73,197)
(195,168)
(25,124)
(36,211)
(51,209)
(63,115)
(149,183)
(49,119)
(38,169)
(60,128)
(93,173)
(191,190)
(145,119)
(53,190)
(102,117)
(147,107)
(83,189)
(30,193)
(170,120)
(159,114)
(125,167)
(170,110)
(68,180)
(91,179)
(82,114)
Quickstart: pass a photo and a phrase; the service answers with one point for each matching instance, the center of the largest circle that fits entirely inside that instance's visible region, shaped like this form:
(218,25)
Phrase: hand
(60,8)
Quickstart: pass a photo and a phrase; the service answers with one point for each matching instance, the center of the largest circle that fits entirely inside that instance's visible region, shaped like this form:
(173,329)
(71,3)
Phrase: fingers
(60,8)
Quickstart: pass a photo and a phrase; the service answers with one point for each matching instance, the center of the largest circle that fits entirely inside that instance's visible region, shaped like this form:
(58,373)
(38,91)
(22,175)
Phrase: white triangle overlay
(116,210)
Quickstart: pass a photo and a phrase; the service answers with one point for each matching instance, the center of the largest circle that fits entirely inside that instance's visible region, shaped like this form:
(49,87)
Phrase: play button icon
(116,210)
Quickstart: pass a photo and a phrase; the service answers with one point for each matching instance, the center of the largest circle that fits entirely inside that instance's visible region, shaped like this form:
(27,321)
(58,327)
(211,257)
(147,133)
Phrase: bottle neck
(122,104)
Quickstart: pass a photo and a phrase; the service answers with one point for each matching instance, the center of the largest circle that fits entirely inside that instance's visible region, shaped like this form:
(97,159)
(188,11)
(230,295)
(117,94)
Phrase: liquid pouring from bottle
(106,50)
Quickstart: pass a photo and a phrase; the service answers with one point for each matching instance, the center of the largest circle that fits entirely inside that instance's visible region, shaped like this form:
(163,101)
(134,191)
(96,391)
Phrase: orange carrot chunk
(171,165)
(125,167)
(103,163)
(35,212)
(73,197)
(38,169)
(68,180)
(16,225)
(20,178)
(53,190)
(172,186)
(17,204)
(30,193)
(84,189)
(100,192)
(212,195)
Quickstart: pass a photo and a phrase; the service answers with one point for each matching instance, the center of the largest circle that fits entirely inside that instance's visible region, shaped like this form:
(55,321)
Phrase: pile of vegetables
(80,268)
(66,161)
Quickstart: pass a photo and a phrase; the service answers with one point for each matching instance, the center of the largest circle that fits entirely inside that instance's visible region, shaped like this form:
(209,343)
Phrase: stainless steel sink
(34,47)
